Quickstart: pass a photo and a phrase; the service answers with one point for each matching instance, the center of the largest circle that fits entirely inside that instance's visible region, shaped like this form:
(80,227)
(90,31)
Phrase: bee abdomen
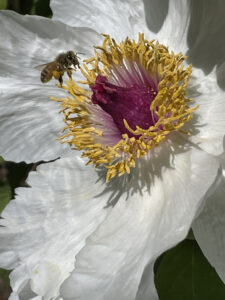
(45,75)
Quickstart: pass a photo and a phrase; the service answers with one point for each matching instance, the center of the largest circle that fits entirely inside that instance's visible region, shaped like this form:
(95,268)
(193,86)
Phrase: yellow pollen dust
(170,104)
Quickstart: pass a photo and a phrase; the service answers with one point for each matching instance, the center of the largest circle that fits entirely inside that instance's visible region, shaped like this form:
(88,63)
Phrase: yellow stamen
(170,104)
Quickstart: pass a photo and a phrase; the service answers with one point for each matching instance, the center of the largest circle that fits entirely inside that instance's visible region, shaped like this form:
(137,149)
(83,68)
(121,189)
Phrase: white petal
(157,213)
(207,127)
(47,225)
(183,25)
(14,296)
(165,21)
(20,283)
(122,18)
(146,289)
(209,229)
(195,26)
(174,18)
(112,17)
(27,41)
(29,120)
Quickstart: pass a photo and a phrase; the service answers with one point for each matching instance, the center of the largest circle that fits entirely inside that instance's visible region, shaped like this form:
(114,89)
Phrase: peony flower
(153,126)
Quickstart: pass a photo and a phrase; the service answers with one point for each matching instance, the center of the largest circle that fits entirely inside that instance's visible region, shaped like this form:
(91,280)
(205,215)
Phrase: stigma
(132,98)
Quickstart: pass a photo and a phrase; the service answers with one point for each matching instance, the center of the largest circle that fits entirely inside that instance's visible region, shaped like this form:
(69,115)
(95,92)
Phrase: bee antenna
(80,53)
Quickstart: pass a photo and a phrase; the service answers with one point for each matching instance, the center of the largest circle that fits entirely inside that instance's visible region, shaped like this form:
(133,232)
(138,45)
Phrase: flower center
(135,96)
(130,102)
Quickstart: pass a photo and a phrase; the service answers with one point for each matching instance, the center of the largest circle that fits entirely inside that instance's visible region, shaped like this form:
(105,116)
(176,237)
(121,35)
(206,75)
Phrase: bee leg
(61,80)
(69,72)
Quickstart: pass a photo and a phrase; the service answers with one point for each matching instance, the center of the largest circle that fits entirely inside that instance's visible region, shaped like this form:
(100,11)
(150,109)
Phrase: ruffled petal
(146,289)
(127,18)
(28,41)
(46,226)
(111,17)
(157,213)
(209,229)
(169,20)
(29,120)
(183,25)
(207,127)
(196,25)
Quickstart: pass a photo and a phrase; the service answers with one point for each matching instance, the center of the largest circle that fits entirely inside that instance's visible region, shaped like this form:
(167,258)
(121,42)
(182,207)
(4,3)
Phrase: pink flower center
(129,99)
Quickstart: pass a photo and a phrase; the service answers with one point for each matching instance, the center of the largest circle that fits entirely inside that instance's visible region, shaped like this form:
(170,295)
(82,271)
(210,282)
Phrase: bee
(59,66)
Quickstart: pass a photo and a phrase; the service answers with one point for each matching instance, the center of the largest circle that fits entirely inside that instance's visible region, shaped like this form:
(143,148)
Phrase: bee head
(72,57)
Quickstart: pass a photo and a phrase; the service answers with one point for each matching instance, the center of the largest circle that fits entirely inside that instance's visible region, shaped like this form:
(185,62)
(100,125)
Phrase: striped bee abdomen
(46,75)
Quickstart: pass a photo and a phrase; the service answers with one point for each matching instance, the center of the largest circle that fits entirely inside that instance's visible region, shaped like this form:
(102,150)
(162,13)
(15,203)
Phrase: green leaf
(5,195)
(42,8)
(3,4)
(185,274)
(25,6)
(4,274)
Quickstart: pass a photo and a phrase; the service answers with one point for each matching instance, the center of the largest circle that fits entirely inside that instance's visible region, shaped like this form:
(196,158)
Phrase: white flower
(71,234)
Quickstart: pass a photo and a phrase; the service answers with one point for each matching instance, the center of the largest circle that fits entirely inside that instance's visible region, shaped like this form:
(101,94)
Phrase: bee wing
(41,67)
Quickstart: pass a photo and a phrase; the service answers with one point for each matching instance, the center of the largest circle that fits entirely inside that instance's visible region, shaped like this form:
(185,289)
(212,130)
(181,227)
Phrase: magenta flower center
(130,100)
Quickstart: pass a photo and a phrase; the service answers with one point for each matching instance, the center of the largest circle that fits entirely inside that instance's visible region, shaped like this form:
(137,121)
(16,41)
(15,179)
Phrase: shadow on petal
(142,177)
(155,13)
(205,34)
(206,29)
